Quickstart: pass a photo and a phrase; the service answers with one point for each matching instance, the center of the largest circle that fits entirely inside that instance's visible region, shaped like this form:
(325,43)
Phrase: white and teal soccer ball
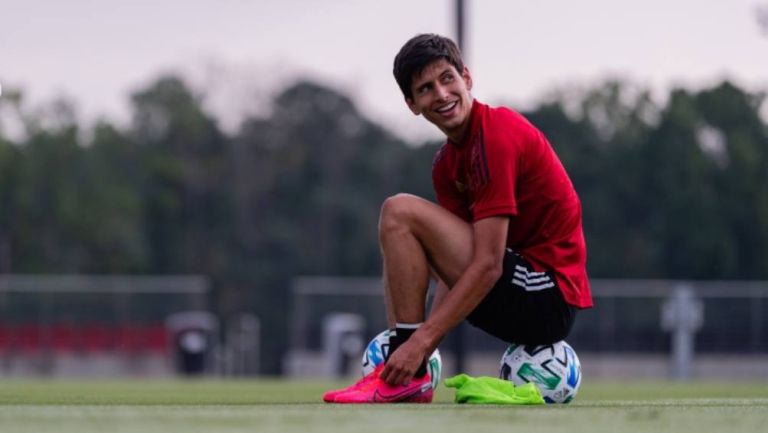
(554,368)
(378,349)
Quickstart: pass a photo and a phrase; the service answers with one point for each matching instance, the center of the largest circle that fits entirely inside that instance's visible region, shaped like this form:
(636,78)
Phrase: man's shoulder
(503,125)
(505,117)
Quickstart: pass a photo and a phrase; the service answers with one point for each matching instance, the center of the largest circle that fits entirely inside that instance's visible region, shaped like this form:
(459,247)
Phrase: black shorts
(524,307)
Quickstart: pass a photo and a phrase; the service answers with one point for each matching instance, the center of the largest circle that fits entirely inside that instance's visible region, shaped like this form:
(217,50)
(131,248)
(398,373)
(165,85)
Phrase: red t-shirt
(505,166)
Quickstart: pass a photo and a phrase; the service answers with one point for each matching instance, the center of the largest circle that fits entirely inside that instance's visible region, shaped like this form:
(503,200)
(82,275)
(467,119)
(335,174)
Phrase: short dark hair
(420,51)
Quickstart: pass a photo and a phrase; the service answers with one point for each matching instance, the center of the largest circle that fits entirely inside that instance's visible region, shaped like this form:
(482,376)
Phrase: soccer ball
(554,368)
(378,349)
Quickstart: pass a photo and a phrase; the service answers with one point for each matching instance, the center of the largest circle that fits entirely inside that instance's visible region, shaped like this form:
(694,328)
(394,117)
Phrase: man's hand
(403,362)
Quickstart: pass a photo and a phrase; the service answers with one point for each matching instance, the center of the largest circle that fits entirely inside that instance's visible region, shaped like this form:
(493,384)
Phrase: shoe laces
(370,378)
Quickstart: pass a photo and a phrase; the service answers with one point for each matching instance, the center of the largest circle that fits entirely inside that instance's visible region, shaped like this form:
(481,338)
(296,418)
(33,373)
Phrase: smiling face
(441,95)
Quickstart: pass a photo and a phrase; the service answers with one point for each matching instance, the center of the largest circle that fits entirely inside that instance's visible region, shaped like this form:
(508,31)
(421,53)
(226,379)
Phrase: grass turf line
(293,406)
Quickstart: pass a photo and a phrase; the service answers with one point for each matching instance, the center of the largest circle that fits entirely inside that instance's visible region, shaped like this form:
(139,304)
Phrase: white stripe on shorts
(527,272)
(531,281)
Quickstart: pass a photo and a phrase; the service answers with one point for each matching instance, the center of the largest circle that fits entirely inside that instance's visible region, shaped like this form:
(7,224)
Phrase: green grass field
(282,406)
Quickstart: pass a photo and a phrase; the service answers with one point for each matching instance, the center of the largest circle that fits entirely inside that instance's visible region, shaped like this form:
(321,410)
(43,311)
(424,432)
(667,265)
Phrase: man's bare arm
(490,241)
(441,289)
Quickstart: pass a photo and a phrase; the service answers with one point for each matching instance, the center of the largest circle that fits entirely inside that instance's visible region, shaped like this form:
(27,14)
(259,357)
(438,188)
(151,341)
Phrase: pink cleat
(418,390)
(330,396)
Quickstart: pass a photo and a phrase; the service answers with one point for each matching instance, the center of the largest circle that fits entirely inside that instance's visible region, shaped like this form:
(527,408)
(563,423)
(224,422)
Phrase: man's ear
(412,106)
(467,78)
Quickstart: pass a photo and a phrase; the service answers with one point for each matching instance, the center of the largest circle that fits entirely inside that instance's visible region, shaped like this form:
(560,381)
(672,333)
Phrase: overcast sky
(242,52)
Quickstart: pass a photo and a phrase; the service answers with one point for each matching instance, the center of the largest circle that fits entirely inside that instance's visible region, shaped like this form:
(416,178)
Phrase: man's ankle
(399,335)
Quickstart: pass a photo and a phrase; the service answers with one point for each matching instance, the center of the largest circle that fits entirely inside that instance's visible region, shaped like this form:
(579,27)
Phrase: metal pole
(460,24)
(459,332)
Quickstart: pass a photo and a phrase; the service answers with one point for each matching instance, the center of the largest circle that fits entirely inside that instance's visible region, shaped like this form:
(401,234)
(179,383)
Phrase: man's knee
(397,211)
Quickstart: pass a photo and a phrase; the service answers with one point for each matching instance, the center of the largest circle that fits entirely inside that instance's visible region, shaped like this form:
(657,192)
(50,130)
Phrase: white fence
(691,327)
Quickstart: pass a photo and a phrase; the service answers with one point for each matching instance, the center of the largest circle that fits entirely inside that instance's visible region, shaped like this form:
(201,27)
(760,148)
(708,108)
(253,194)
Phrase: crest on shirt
(438,155)
(460,186)
(479,175)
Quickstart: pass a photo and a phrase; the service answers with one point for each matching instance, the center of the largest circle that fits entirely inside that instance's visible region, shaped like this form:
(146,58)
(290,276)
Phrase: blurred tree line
(672,190)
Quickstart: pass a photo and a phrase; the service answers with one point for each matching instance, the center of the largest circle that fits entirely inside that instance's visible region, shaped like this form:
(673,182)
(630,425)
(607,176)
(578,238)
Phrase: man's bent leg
(406,269)
(416,235)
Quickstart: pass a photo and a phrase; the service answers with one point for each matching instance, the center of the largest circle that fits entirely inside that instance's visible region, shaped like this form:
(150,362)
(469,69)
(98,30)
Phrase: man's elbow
(491,270)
